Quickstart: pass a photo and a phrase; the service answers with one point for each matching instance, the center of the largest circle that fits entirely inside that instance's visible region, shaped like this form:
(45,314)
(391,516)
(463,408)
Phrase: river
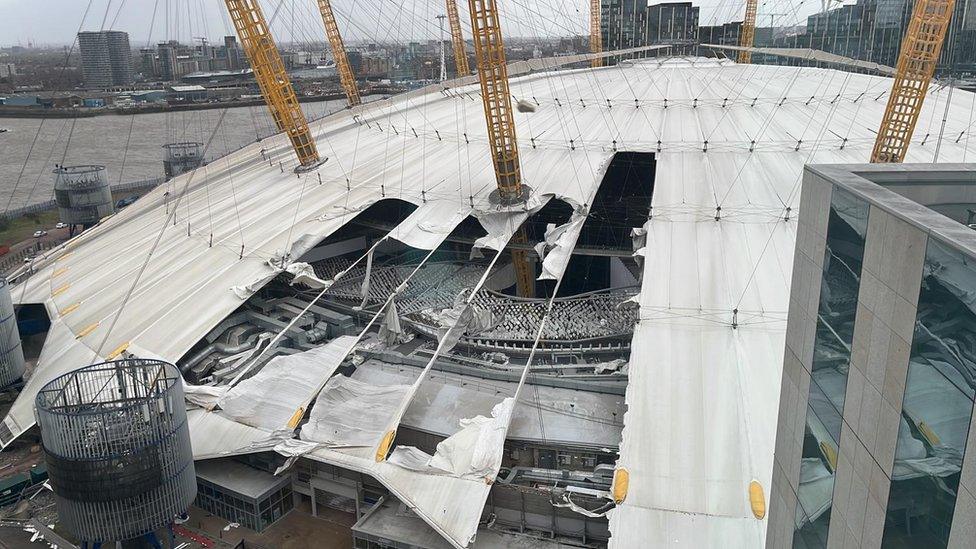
(26,178)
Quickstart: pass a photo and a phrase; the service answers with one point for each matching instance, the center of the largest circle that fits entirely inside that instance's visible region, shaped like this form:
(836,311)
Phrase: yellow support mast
(596,37)
(346,78)
(272,79)
(489,51)
(457,39)
(748,37)
(916,64)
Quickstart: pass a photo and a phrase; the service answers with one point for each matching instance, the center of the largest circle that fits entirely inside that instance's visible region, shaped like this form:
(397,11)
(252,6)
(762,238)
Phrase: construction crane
(919,54)
(457,40)
(272,79)
(343,67)
(596,37)
(748,37)
(489,51)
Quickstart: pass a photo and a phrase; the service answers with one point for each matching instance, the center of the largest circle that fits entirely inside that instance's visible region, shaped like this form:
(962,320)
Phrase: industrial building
(360,319)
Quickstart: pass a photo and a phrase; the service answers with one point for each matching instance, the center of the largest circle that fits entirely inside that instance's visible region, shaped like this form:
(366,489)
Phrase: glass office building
(880,366)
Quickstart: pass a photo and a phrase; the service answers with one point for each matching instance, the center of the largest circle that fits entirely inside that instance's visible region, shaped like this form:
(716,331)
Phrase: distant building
(167,52)
(632,23)
(148,64)
(106,58)
(7,70)
(20,101)
(728,34)
(234,59)
(623,23)
(672,23)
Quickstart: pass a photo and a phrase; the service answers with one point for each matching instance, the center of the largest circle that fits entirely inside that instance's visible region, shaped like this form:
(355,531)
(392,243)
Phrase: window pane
(840,283)
(938,403)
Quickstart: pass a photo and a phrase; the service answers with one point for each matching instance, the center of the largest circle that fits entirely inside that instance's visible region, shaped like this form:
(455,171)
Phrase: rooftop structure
(670,290)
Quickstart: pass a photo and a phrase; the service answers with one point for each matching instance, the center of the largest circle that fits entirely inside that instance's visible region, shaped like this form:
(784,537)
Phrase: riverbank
(7,111)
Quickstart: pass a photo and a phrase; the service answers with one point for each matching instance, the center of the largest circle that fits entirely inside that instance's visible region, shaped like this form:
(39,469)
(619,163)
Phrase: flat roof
(392,520)
(235,476)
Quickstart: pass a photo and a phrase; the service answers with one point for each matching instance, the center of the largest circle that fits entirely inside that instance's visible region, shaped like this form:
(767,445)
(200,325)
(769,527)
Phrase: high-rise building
(875,432)
(672,23)
(106,58)
(623,23)
(232,54)
(632,23)
(167,52)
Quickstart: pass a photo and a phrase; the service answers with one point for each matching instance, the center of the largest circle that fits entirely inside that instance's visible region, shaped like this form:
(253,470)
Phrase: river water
(26,178)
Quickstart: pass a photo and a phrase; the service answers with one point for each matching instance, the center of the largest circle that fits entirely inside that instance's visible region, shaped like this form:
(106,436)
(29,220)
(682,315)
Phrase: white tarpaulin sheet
(348,413)
(430,224)
(269,399)
(474,452)
(558,246)
(501,224)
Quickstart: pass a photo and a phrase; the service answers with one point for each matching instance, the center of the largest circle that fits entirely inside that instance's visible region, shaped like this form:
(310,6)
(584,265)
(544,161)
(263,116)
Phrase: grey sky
(57,21)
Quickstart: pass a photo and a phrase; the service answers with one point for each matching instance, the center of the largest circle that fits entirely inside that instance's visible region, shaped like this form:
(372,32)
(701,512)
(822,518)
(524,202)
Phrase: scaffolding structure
(346,77)
(596,36)
(457,40)
(117,448)
(181,157)
(489,50)
(269,71)
(916,64)
(83,195)
(748,31)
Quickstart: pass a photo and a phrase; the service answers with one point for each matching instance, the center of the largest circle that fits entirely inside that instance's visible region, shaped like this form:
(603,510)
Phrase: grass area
(22,228)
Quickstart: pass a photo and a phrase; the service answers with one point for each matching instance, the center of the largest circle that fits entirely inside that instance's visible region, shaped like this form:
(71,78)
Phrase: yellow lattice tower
(270,73)
(748,37)
(916,64)
(346,78)
(457,39)
(596,37)
(489,52)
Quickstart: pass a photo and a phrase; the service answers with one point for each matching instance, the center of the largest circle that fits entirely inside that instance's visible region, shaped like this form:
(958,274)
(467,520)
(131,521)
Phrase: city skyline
(26,23)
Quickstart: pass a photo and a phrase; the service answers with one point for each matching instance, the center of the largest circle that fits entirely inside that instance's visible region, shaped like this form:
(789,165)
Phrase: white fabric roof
(702,397)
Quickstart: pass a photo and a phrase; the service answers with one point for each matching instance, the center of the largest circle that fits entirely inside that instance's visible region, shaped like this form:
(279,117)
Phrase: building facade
(876,403)
(106,58)
(672,23)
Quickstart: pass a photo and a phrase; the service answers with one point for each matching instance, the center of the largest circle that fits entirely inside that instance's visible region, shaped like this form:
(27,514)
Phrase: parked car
(61,226)
(126,201)
(38,234)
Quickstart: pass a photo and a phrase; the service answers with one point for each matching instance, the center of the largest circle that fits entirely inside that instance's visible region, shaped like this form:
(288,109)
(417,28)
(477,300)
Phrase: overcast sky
(55,22)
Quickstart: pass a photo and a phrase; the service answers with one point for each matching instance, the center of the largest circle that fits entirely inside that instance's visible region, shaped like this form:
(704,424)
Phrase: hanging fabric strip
(364,289)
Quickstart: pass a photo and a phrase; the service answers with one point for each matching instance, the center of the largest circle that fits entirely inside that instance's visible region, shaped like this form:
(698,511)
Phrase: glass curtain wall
(938,403)
(840,283)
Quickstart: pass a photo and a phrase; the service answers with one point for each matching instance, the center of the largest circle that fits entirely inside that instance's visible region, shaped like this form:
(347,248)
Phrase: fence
(144,184)
(12,260)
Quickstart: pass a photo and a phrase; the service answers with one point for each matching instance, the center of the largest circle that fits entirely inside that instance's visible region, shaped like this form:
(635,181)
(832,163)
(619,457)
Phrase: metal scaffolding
(346,77)
(269,71)
(457,39)
(748,31)
(596,37)
(916,64)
